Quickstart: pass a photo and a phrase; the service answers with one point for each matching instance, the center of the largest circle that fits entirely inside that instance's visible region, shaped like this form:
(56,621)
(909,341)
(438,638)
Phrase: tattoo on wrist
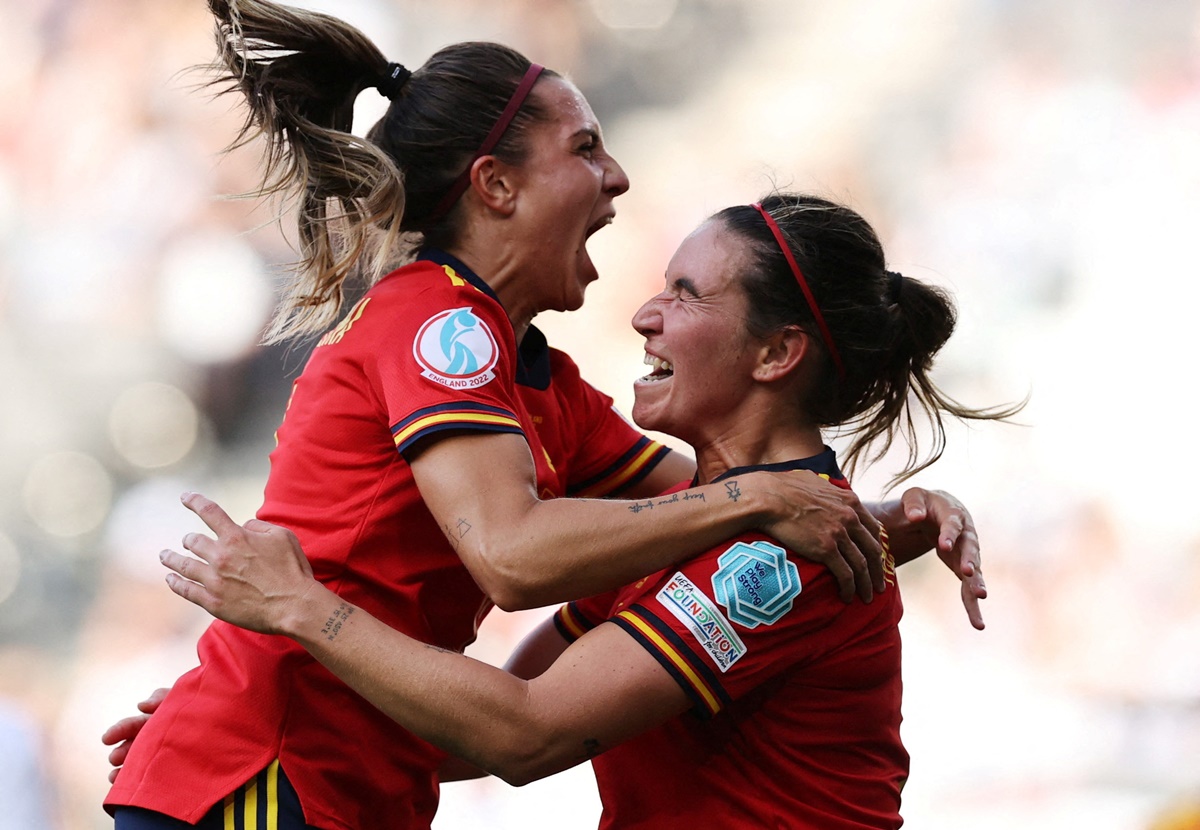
(732,490)
(333,625)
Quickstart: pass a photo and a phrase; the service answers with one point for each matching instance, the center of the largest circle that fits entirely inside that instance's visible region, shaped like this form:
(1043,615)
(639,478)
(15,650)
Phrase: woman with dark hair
(733,689)
(432,434)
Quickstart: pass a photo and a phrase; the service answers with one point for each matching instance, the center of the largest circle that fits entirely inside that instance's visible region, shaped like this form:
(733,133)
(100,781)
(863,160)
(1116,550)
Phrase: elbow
(509,582)
(528,759)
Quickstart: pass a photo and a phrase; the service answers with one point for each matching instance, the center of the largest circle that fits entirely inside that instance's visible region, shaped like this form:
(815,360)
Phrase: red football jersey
(427,349)
(796,716)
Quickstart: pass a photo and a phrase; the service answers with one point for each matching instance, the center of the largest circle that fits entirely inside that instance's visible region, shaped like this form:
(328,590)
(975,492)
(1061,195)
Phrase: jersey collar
(823,463)
(533,353)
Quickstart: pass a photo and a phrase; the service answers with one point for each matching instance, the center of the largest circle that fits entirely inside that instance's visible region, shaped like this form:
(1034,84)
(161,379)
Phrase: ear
(781,353)
(494,184)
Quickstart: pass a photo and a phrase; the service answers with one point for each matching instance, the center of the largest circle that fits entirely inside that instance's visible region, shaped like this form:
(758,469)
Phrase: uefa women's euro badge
(457,349)
(756,583)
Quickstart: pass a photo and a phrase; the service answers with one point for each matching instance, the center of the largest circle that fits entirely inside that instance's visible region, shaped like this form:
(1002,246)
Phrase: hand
(125,730)
(251,575)
(828,524)
(945,522)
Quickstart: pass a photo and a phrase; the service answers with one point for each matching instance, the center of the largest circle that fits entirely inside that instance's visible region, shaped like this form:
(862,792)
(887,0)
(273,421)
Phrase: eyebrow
(591,132)
(686,284)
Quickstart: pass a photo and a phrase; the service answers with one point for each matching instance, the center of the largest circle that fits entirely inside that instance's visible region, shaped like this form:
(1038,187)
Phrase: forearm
(478,713)
(562,549)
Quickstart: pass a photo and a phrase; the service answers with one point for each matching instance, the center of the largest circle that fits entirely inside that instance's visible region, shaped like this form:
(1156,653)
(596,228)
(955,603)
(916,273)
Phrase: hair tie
(493,138)
(808,295)
(392,80)
(895,282)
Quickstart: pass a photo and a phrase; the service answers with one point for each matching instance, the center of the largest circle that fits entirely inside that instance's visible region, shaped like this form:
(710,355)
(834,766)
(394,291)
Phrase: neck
(497,260)
(767,440)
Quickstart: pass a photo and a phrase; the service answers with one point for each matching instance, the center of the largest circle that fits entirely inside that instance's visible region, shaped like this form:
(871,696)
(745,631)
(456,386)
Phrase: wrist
(303,617)
(761,505)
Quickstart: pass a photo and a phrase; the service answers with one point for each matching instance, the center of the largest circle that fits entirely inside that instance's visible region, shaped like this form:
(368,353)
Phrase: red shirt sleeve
(729,620)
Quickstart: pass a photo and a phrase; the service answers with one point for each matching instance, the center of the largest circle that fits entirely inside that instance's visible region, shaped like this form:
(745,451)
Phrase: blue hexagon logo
(756,583)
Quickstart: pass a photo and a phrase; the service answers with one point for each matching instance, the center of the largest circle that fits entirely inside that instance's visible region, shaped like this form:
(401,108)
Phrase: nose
(647,320)
(615,180)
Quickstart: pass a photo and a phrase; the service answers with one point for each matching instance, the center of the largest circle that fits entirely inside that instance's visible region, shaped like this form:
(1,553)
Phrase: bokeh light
(68,494)
(153,424)
(10,568)
(214,297)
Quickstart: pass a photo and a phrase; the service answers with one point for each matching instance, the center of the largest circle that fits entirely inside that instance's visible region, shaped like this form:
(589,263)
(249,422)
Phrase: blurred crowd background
(1039,159)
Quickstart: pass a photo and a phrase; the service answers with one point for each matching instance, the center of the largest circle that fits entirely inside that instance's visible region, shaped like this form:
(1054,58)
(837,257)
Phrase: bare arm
(526,552)
(923,520)
(603,689)
(920,521)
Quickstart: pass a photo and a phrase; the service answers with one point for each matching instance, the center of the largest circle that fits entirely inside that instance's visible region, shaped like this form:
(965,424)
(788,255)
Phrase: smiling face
(701,354)
(566,190)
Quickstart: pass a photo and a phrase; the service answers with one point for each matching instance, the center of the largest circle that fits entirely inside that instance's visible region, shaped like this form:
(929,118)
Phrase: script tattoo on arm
(333,625)
(674,498)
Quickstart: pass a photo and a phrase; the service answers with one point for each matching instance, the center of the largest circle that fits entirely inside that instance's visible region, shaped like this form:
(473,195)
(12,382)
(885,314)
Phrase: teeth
(658,364)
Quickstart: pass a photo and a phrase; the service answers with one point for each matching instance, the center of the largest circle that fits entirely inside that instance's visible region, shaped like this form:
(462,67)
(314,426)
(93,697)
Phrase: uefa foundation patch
(756,583)
(456,349)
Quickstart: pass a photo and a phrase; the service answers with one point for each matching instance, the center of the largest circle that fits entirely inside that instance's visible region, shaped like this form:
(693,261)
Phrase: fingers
(188,579)
(210,513)
(840,567)
(867,559)
(123,730)
(118,755)
(860,567)
(150,705)
(971,594)
(915,504)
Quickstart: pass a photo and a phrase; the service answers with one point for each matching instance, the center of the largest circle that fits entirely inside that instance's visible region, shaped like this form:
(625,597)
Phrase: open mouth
(603,221)
(659,369)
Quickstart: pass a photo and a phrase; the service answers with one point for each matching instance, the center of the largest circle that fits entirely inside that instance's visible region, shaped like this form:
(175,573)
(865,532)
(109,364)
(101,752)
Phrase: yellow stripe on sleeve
(676,658)
(453,417)
(567,617)
(614,481)
(230,815)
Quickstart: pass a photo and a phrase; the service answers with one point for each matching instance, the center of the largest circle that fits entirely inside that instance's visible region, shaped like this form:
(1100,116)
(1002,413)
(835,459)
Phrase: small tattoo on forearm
(463,527)
(333,625)
(732,490)
(639,506)
(693,496)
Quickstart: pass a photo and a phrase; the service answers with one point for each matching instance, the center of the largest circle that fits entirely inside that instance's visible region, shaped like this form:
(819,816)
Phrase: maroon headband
(808,295)
(493,138)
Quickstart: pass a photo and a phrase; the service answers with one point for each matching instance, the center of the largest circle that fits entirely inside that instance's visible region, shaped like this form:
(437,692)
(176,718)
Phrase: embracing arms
(527,552)
(603,690)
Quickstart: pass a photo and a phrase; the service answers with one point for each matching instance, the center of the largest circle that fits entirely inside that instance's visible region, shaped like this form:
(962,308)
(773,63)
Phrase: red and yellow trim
(678,663)
(648,456)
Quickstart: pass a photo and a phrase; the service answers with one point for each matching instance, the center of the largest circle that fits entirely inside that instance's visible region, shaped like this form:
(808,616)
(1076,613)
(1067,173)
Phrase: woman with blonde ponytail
(430,439)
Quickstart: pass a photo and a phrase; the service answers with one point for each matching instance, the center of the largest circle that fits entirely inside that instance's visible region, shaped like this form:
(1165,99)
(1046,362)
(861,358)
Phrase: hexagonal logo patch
(756,583)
